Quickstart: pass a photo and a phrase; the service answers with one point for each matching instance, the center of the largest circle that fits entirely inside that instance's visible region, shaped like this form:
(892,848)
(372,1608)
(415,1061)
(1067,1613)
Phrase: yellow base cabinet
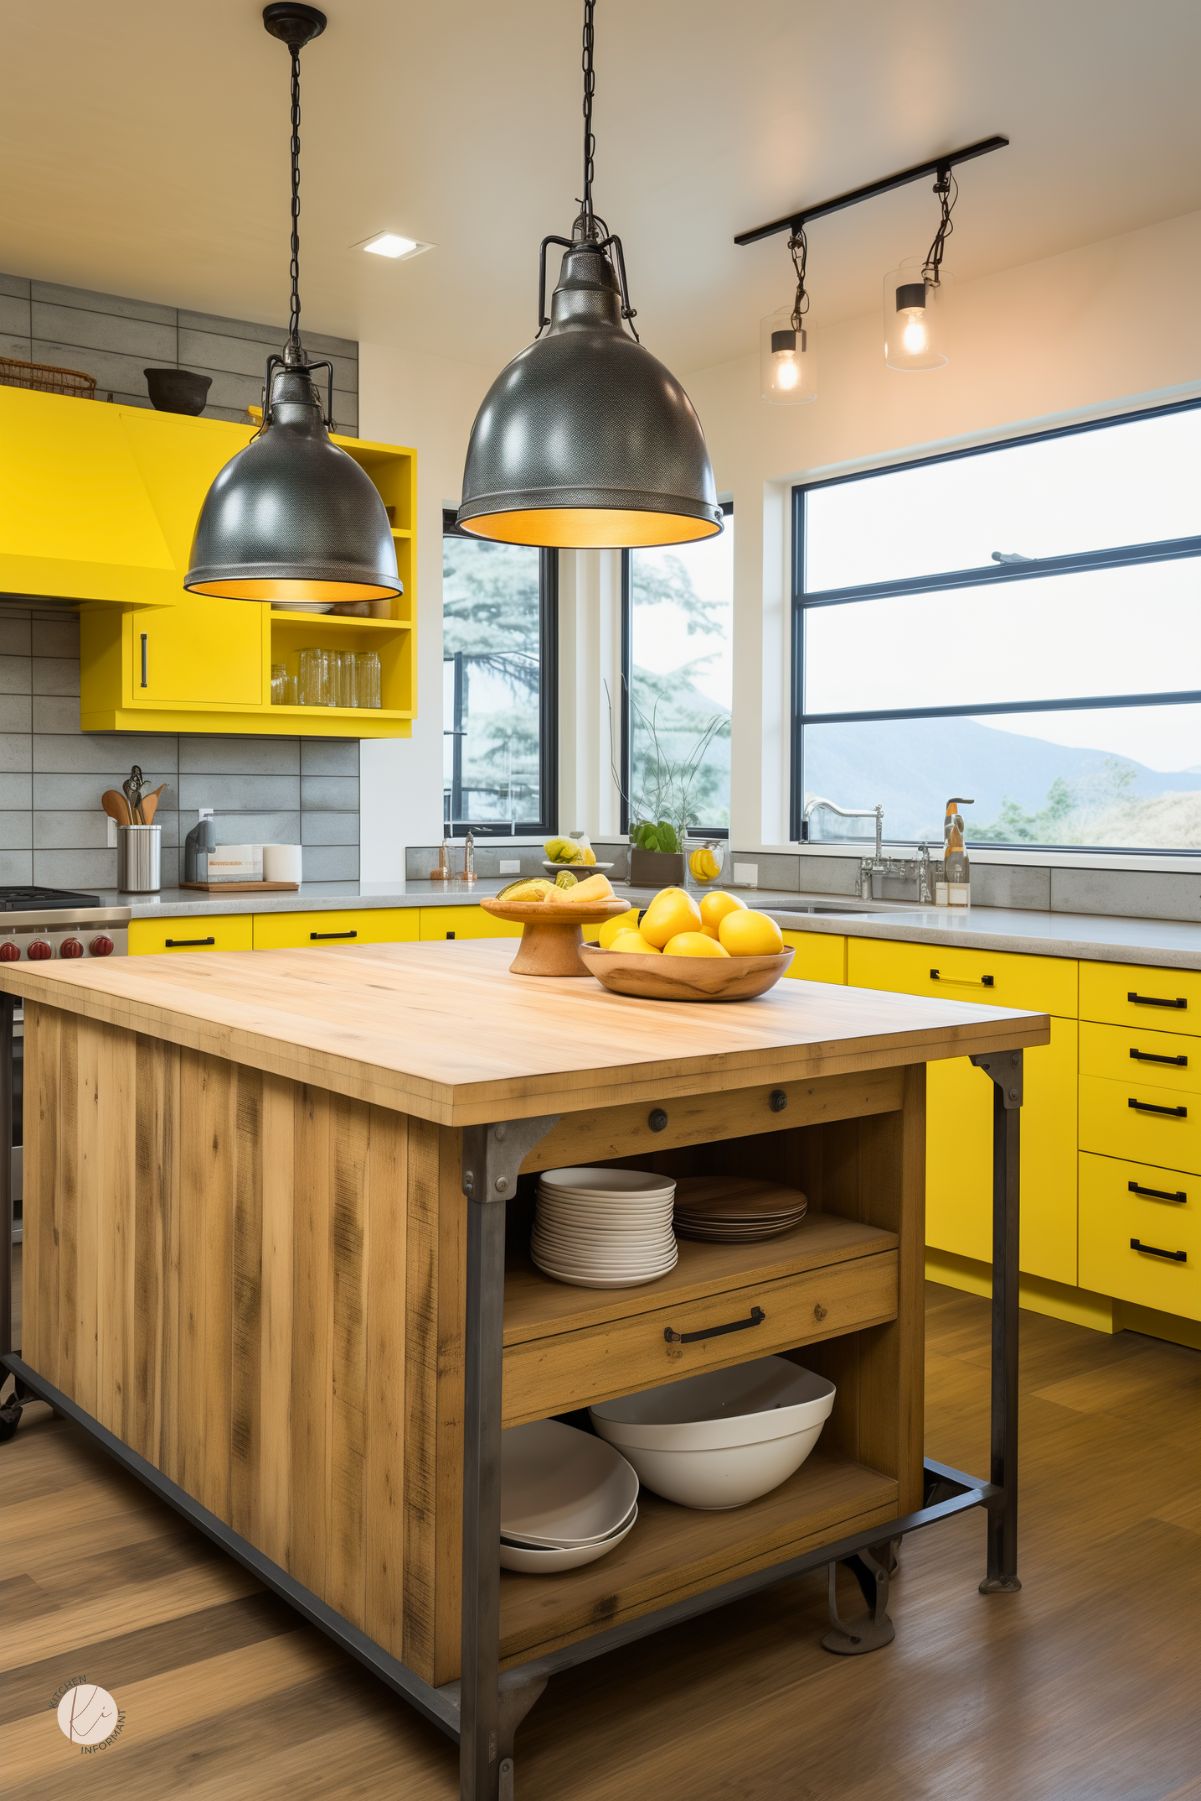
(465,922)
(820,956)
(335,925)
(1140,1234)
(190,932)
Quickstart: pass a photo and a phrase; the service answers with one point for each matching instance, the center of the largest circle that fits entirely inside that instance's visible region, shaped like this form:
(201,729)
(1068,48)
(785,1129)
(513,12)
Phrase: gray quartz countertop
(1166,943)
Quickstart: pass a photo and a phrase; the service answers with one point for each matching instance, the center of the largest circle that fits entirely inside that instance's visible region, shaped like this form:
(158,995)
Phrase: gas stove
(37,924)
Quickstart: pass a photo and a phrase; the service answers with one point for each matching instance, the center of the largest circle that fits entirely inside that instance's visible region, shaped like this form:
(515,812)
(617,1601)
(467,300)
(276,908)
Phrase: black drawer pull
(181,944)
(1156,1000)
(1180,1062)
(315,936)
(1153,1250)
(1164,1112)
(1158,1194)
(450,934)
(755,1317)
(984,981)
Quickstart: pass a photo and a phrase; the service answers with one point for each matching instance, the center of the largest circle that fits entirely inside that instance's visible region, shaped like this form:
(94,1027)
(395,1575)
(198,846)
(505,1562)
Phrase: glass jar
(705,858)
(368,678)
(279,684)
(315,678)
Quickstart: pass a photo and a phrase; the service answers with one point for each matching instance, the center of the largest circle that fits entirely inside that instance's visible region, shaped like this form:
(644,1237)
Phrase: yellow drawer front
(1134,1119)
(1140,1235)
(959,1158)
(820,956)
(465,922)
(362,925)
(1123,994)
(989,978)
(228,932)
(1166,1059)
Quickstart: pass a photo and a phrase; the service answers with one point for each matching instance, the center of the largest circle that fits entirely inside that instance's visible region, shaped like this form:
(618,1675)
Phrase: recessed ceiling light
(391,244)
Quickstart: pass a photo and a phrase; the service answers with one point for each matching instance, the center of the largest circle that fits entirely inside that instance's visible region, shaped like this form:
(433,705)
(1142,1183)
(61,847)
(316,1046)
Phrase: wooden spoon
(150,804)
(116,806)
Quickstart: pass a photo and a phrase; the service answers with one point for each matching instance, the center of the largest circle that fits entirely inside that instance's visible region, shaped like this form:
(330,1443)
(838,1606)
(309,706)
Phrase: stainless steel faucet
(870,866)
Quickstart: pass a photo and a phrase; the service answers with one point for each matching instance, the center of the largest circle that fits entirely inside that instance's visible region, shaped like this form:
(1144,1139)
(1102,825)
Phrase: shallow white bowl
(535,1560)
(558,1482)
(549,1543)
(600,1179)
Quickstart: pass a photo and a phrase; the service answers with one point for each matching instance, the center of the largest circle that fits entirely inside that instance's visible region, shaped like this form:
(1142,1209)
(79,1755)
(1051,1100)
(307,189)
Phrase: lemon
(703,864)
(672,911)
(630,940)
(625,922)
(714,908)
(693,944)
(746,933)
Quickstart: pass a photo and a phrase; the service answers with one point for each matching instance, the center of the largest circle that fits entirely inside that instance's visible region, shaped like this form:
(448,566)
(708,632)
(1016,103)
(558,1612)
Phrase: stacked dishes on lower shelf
(604,1228)
(736,1210)
(567,1498)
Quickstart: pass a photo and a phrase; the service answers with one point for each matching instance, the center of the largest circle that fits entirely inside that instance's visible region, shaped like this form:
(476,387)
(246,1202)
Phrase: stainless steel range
(37,924)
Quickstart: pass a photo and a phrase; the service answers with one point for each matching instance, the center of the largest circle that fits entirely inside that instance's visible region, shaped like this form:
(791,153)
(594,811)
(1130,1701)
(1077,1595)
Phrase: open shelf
(348,713)
(315,623)
(674,1551)
(538,1307)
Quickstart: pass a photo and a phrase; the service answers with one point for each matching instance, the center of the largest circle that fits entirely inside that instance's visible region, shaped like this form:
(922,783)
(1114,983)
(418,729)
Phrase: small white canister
(281,863)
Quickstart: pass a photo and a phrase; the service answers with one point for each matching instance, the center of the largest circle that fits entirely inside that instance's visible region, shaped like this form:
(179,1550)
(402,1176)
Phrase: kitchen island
(266,1204)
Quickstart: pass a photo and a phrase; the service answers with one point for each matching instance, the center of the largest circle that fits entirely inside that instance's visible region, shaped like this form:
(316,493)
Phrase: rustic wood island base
(275,1224)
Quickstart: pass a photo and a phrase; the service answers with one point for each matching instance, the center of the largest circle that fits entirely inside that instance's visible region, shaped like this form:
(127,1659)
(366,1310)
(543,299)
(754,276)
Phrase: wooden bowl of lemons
(680,950)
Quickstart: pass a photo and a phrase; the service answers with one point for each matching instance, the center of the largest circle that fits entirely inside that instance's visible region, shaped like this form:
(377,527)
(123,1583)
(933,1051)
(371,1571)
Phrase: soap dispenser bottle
(956,868)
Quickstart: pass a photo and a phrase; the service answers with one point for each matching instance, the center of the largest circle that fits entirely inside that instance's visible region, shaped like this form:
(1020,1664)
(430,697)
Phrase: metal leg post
(1005,1071)
(492,1156)
(10,1409)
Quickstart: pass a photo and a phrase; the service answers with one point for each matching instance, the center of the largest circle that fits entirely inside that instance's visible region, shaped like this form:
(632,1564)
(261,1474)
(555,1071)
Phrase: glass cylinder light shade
(915,326)
(786,360)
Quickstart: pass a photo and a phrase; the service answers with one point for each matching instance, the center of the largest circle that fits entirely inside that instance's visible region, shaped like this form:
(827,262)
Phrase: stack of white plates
(604,1228)
(566,1498)
(735,1210)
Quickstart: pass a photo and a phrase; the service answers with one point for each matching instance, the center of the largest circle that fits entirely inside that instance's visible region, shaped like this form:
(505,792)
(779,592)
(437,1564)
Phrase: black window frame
(548,707)
(627,636)
(1118,556)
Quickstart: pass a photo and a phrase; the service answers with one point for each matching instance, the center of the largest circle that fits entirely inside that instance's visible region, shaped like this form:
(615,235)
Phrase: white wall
(428,403)
(1099,329)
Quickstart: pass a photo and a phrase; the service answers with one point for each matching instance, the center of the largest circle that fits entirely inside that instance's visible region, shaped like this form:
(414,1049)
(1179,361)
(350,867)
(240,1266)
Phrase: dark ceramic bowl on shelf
(177,390)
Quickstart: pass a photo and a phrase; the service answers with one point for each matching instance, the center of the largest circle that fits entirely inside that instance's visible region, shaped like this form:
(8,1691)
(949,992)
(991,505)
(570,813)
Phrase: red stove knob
(70,947)
(10,951)
(39,950)
(101,947)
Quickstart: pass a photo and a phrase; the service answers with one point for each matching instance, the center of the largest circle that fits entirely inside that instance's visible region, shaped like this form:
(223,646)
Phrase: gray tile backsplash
(52,830)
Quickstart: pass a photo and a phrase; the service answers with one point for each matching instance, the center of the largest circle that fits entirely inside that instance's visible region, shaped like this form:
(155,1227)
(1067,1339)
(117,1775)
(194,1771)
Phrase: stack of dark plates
(735,1209)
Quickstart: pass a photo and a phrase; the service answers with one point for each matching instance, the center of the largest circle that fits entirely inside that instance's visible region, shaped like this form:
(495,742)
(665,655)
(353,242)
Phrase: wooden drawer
(574,1369)
(989,978)
(465,922)
(820,956)
(1125,994)
(194,932)
(1121,1202)
(1138,1120)
(1125,1054)
(360,925)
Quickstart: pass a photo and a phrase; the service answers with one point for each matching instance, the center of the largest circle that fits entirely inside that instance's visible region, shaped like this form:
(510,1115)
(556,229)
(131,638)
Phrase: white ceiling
(144,150)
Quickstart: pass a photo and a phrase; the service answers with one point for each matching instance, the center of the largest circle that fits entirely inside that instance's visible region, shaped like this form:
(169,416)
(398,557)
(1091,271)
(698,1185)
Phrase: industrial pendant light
(585,439)
(786,360)
(914,315)
(292,518)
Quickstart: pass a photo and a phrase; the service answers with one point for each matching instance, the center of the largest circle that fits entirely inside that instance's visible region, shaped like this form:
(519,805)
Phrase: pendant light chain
(294,343)
(947,189)
(586,63)
(798,245)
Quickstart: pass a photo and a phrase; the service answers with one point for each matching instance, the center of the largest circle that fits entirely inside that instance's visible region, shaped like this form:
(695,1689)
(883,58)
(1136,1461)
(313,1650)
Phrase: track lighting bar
(793,222)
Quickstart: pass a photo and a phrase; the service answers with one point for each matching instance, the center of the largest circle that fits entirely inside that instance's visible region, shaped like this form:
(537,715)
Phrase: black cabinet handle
(314,936)
(1180,1062)
(1153,1250)
(1158,1194)
(450,934)
(1164,1112)
(1157,1000)
(755,1317)
(179,944)
(145,659)
(984,981)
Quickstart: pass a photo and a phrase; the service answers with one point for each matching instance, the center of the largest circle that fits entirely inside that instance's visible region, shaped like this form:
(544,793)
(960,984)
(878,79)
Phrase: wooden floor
(1085,1687)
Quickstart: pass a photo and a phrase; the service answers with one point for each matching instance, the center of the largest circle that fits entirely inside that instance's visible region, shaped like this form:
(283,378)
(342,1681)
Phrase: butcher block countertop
(444,1032)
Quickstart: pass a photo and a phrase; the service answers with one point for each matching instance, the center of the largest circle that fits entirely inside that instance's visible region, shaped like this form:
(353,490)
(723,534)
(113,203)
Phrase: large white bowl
(560,1483)
(723,1438)
(538,1561)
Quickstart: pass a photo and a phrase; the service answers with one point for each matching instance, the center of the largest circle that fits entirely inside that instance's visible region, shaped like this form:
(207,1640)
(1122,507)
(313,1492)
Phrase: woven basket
(47,378)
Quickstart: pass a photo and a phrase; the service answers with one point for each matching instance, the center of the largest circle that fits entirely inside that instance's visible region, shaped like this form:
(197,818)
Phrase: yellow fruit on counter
(694,944)
(564,850)
(633,941)
(746,933)
(714,908)
(671,912)
(625,922)
(594,888)
(587,854)
(703,864)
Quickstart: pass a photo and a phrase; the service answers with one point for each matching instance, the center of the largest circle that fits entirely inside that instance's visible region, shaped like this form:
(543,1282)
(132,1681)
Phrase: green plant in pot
(659,809)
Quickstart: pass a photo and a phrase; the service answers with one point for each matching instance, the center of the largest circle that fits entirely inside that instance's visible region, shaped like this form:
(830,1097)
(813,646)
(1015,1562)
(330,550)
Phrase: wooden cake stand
(550,932)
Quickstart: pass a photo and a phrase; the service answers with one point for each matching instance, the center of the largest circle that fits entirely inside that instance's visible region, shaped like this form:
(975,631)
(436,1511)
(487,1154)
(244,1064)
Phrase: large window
(498,685)
(1021,624)
(677,666)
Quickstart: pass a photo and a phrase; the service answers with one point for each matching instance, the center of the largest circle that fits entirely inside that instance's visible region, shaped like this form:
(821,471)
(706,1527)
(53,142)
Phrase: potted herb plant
(659,808)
